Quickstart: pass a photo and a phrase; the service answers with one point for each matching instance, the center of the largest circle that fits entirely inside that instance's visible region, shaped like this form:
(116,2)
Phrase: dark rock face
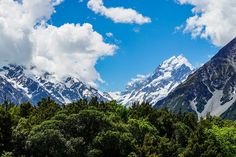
(210,89)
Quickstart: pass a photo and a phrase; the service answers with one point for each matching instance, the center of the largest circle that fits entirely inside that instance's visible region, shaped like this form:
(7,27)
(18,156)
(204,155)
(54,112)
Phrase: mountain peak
(175,62)
(153,87)
(210,89)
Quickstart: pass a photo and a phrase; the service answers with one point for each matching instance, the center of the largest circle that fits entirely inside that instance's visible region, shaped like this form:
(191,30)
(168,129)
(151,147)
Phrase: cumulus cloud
(70,50)
(17,20)
(26,39)
(212,19)
(118,14)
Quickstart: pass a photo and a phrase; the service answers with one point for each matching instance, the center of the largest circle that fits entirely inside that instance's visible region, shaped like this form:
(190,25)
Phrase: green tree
(167,148)
(225,138)
(114,143)
(139,129)
(164,122)
(25,110)
(181,134)
(87,124)
(45,110)
(140,111)
(20,134)
(150,146)
(6,125)
(46,142)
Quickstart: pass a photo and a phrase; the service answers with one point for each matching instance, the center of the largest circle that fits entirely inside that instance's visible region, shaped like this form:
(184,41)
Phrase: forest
(107,129)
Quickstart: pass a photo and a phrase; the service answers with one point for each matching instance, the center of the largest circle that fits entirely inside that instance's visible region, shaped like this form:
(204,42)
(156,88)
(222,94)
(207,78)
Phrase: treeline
(93,129)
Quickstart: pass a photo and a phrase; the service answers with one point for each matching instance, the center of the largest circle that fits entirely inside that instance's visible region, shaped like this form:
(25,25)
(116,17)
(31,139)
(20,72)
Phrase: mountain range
(174,84)
(17,86)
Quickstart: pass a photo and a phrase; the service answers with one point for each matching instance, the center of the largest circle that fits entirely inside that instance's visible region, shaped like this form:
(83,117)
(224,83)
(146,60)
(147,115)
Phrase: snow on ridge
(167,67)
(175,62)
(35,87)
(138,78)
(115,95)
(153,87)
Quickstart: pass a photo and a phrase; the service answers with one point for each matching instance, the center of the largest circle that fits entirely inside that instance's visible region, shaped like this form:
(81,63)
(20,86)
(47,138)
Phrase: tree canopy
(107,129)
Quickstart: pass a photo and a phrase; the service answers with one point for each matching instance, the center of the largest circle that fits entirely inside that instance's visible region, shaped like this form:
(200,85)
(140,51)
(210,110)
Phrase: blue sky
(139,52)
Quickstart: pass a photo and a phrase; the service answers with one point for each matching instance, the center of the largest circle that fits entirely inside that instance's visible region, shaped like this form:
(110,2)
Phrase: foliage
(226,139)
(105,129)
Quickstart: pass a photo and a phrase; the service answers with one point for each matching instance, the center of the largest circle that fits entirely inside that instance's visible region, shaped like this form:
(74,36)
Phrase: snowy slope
(115,95)
(18,86)
(154,87)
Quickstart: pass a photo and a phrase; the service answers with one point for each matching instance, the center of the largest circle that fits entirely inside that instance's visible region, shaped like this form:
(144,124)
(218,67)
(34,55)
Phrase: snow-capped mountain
(154,87)
(17,86)
(210,89)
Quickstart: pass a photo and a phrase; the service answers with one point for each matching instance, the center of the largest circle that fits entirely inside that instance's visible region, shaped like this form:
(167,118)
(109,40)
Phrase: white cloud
(26,39)
(136,30)
(70,50)
(118,14)
(109,34)
(213,20)
(17,20)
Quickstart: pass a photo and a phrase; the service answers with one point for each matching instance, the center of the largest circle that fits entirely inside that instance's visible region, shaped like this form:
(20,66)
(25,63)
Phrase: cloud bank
(27,39)
(213,19)
(118,14)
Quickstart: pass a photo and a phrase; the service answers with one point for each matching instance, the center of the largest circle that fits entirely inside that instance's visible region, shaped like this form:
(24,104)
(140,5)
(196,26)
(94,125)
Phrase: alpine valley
(175,85)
